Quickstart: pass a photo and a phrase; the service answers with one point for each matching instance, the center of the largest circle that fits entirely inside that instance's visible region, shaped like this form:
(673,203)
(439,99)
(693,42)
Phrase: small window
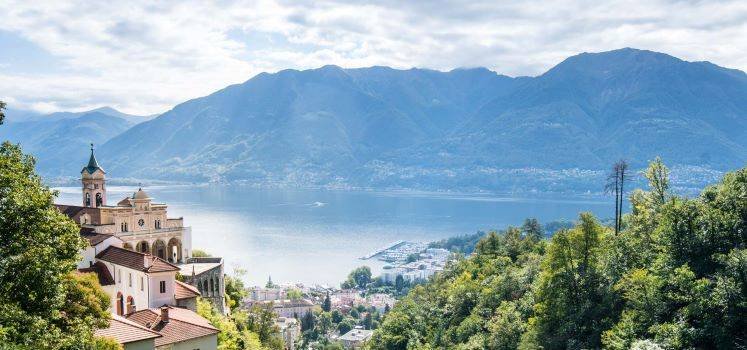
(141,283)
(119,276)
(129,279)
(162,284)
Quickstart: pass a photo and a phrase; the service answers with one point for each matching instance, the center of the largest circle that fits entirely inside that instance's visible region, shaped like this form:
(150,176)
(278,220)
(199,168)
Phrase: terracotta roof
(105,278)
(183,325)
(125,331)
(75,211)
(185,291)
(135,260)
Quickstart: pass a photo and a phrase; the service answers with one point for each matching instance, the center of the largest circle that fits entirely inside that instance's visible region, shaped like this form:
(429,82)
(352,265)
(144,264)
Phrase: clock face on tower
(141,222)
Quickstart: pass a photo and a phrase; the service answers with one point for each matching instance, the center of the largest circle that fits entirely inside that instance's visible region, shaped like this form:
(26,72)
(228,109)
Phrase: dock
(381,250)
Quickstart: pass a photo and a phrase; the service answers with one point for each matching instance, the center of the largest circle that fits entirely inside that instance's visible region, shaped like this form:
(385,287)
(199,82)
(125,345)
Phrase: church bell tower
(94,183)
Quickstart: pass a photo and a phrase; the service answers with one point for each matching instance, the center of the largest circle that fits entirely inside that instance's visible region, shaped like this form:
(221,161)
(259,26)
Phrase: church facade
(141,224)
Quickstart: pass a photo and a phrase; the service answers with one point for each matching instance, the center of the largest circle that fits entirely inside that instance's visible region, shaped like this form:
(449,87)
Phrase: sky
(144,57)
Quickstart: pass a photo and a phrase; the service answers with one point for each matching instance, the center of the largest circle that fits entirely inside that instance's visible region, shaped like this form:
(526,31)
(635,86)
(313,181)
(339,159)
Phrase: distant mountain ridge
(466,129)
(59,140)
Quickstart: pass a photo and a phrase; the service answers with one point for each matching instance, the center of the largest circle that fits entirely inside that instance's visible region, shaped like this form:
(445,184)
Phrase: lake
(317,236)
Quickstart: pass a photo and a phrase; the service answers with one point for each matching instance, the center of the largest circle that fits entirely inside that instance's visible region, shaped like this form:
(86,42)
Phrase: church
(137,251)
(141,224)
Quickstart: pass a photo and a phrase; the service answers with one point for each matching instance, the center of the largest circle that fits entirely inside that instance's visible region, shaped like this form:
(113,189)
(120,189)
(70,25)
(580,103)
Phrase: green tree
(231,337)
(260,319)
(532,229)
(41,303)
(294,294)
(327,304)
(368,321)
(574,301)
(344,327)
(199,253)
(360,277)
(235,289)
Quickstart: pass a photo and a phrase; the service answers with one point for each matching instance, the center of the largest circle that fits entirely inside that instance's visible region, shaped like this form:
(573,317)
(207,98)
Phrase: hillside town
(143,259)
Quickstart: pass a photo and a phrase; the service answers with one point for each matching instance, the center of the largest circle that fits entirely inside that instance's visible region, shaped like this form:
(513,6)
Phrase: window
(162,285)
(129,279)
(141,283)
(119,276)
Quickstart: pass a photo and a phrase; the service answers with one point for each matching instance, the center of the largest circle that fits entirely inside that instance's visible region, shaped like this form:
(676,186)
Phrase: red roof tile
(125,331)
(185,291)
(183,325)
(135,260)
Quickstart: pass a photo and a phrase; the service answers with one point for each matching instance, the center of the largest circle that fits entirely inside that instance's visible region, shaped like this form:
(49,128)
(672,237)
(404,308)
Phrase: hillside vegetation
(673,278)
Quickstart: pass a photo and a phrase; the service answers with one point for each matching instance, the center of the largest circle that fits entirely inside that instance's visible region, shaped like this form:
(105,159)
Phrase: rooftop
(135,260)
(183,325)
(197,268)
(185,291)
(356,335)
(125,331)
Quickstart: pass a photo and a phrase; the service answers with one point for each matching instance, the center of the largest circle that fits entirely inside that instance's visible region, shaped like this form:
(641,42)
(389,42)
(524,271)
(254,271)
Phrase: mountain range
(466,129)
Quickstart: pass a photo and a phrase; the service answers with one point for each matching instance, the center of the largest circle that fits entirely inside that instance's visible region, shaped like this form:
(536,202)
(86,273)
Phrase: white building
(355,338)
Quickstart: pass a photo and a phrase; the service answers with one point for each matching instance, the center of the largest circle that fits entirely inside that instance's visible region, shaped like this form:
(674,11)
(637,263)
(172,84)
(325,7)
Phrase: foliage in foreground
(674,277)
(44,303)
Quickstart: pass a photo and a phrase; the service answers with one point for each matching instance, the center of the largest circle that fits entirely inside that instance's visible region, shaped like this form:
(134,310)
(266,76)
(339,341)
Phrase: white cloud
(145,57)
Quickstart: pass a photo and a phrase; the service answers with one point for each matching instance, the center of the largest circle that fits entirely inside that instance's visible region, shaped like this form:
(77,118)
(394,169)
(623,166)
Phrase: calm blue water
(316,236)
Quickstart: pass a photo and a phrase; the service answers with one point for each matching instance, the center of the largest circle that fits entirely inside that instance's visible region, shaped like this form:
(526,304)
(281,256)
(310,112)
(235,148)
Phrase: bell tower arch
(93,178)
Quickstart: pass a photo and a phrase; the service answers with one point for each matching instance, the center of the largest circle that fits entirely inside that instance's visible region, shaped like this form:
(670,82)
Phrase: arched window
(210,286)
(216,285)
(88,199)
(120,304)
(99,200)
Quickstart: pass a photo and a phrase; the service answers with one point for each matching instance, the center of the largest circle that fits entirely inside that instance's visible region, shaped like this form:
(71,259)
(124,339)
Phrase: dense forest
(674,277)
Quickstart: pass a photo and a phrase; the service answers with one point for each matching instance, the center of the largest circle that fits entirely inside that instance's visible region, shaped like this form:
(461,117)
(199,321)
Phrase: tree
(574,301)
(344,327)
(399,283)
(235,290)
(307,321)
(231,336)
(260,319)
(360,277)
(368,321)
(199,253)
(41,302)
(294,294)
(616,184)
(327,304)
(532,228)
(657,175)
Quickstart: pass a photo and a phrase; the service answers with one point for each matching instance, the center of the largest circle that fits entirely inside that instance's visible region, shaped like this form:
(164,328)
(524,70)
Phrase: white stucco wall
(205,343)
(147,344)
(121,276)
(158,299)
(89,254)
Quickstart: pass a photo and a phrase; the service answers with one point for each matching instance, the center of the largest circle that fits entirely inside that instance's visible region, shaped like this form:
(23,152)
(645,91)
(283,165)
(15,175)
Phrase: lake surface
(317,236)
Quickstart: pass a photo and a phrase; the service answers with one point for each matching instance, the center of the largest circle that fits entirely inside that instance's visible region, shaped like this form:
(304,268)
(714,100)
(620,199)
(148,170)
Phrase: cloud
(145,57)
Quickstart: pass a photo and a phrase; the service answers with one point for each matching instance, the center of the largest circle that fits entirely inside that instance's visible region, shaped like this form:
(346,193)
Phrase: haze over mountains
(467,129)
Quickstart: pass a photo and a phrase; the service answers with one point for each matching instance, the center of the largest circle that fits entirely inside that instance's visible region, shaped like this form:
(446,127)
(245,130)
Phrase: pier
(381,250)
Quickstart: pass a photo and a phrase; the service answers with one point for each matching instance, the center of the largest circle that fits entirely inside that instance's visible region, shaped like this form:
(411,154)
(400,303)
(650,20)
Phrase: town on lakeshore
(145,262)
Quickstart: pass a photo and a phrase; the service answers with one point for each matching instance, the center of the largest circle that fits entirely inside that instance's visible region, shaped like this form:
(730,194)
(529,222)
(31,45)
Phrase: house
(180,329)
(355,338)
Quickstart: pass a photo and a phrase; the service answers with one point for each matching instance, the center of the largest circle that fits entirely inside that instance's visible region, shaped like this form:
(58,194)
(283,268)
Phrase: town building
(206,274)
(355,338)
(290,330)
(285,308)
(264,294)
